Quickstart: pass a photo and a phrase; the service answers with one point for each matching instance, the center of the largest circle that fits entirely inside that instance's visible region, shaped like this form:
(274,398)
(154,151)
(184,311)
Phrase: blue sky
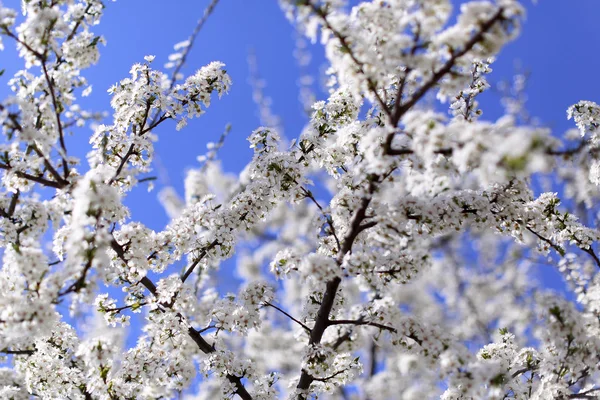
(557,46)
(135,28)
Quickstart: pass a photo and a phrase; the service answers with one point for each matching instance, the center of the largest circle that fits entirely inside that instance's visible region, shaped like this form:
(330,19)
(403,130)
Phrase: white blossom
(389,251)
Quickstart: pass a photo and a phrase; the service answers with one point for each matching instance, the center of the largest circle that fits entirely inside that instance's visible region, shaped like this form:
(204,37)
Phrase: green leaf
(94,41)
(497,380)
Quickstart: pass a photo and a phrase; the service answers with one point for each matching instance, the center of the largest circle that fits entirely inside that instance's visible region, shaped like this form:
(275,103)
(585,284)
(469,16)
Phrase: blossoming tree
(392,239)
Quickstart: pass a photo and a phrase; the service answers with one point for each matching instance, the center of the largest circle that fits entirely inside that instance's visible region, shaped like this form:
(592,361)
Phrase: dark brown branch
(13,203)
(203,345)
(147,179)
(78,23)
(320,326)
(330,377)
(131,150)
(403,79)
(37,54)
(38,179)
(59,179)
(124,160)
(207,328)
(322,320)
(289,316)
(360,322)
(585,395)
(47,164)
(592,254)
(447,67)
(555,246)
(194,334)
(328,218)
(17,352)
(366,225)
(401,108)
(373,359)
(79,284)
(207,13)
(448,151)
(57,112)
(372,85)
(146,111)
(404,151)
(522,371)
(117,310)
(568,152)
(203,254)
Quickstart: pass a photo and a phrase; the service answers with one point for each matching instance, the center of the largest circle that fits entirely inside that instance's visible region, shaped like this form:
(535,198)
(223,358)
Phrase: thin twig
(401,109)
(194,334)
(203,254)
(360,322)
(207,13)
(57,112)
(328,218)
(289,316)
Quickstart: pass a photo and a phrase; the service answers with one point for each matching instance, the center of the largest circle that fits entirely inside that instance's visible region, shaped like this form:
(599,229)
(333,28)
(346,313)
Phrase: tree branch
(203,254)
(57,112)
(38,179)
(194,334)
(289,316)
(447,67)
(322,320)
